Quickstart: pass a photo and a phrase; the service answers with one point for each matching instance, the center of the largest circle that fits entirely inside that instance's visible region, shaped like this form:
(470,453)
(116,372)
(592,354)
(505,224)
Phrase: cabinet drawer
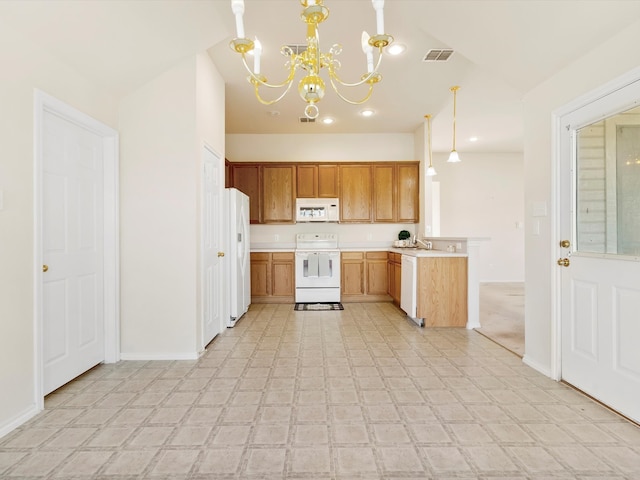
(376,255)
(282,256)
(352,255)
(260,257)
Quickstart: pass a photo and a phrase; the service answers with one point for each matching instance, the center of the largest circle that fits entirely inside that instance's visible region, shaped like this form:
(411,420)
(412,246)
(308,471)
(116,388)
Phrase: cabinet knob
(221,254)
(45,268)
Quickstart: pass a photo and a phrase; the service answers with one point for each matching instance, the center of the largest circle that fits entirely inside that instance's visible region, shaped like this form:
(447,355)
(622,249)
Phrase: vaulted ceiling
(502,49)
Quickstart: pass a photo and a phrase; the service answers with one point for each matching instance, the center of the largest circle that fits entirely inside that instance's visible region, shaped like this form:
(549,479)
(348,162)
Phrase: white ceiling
(503,49)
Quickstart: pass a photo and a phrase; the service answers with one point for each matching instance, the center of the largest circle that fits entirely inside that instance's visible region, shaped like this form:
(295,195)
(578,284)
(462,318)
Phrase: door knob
(45,268)
(565,243)
(221,254)
(563,262)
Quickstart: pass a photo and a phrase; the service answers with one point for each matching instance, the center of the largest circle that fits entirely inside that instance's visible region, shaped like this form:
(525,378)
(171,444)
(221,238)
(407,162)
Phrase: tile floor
(355,394)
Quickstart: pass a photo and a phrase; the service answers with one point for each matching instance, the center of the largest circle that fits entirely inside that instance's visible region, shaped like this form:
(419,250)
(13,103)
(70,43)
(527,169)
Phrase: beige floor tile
(38,464)
(232,435)
(310,460)
(71,437)
(311,434)
(84,463)
(221,461)
(190,435)
(153,436)
(130,462)
(176,462)
(348,434)
(266,461)
(271,434)
(490,459)
(446,459)
(390,433)
(355,459)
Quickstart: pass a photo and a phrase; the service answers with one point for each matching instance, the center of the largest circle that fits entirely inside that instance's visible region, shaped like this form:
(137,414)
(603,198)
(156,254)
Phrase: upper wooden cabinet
(355,193)
(246,178)
(396,193)
(408,193)
(278,193)
(317,181)
(384,193)
(369,192)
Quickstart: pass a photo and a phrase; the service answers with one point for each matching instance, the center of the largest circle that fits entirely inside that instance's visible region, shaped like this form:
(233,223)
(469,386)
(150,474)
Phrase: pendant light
(453,156)
(430,170)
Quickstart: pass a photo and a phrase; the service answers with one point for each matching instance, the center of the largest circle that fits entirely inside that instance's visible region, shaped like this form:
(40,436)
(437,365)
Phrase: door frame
(602,102)
(44,103)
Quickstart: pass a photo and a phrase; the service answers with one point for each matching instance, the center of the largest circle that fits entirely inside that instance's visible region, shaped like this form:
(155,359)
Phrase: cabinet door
(352,273)
(376,273)
(355,193)
(279,193)
(260,273)
(383,193)
(442,291)
(283,274)
(408,194)
(328,181)
(307,181)
(246,178)
(397,277)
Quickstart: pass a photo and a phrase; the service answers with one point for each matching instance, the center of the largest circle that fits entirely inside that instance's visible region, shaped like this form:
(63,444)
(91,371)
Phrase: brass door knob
(563,262)
(565,243)
(45,268)
(221,254)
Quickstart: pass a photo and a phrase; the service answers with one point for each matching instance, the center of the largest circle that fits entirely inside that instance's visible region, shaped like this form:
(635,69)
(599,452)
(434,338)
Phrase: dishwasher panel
(409,288)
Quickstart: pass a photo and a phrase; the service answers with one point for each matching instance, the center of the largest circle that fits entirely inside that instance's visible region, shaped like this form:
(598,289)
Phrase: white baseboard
(13,423)
(160,356)
(537,366)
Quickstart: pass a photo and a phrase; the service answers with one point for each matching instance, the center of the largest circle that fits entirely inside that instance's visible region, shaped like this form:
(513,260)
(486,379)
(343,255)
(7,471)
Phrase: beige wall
(163,126)
(483,197)
(25,68)
(606,62)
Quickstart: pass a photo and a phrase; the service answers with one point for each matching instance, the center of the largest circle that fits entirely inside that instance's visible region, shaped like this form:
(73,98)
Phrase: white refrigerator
(238,264)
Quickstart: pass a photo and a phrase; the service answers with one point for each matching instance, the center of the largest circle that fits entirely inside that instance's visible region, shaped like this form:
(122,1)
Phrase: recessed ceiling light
(473,139)
(328,120)
(367,112)
(396,49)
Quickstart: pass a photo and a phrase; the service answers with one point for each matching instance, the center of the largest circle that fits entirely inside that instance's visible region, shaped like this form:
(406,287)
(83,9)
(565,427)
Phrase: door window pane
(607,210)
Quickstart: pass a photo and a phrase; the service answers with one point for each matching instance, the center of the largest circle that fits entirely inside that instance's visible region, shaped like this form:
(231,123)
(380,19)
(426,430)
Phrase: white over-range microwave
(317,210)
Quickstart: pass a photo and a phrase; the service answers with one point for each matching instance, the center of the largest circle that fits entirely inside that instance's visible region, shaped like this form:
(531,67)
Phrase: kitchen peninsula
(466,251)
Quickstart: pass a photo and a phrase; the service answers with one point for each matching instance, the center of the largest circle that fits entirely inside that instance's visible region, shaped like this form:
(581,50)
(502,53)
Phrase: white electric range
(317,268)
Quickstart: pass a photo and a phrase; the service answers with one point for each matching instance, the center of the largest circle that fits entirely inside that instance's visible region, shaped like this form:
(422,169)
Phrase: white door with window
(212,290)
(73,251)
(599,247)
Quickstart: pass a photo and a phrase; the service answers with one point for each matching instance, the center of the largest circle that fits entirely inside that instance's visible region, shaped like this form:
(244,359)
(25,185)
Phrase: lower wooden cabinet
(363,276)
(442,291)
(272,277)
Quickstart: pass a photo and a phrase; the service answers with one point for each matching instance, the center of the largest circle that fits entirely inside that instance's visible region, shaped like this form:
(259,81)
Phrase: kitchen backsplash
(348,234)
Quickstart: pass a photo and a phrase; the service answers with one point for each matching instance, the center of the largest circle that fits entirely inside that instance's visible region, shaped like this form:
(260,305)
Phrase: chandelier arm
(352,102)
(256,79)
(334,76)
(256,86)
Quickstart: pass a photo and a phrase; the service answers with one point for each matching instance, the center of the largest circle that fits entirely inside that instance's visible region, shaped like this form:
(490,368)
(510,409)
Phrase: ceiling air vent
(437,55)
(307,120)
(297,48)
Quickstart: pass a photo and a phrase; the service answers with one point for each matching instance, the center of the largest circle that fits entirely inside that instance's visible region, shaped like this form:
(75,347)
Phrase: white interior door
(212,296)
(600,260)
(73,251)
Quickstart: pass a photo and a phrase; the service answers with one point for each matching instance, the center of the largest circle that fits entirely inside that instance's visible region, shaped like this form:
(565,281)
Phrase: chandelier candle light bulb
(312,60)
(368,51)
(237,7)
(257,51)
(378,5)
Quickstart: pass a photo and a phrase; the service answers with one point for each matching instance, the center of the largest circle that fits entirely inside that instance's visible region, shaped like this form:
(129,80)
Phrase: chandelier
(311,60)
